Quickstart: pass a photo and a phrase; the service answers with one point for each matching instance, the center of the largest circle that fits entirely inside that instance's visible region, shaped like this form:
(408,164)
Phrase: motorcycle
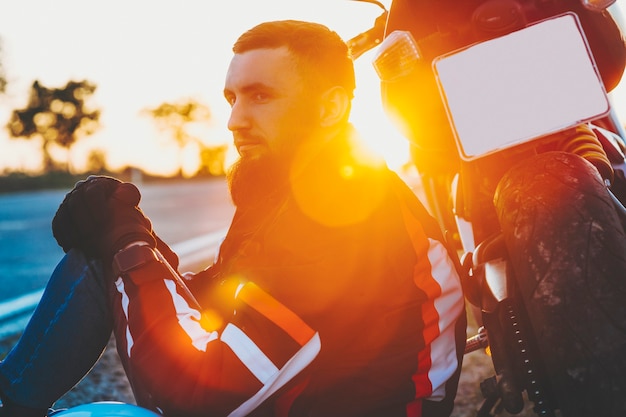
(522,158)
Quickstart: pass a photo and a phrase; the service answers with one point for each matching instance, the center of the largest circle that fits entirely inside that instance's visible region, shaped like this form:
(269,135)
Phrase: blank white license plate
(525,85)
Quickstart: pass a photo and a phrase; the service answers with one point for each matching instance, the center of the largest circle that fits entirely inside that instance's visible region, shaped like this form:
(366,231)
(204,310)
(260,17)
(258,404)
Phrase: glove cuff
(140,263)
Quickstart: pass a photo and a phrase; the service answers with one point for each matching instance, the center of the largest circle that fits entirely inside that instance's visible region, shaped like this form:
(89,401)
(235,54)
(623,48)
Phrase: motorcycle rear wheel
(568,252)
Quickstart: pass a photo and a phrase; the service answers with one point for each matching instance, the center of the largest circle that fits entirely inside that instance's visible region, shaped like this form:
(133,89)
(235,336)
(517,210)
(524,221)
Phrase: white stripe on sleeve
(119,284)
(189,319)
(248,353)
(449,306)
(294,366)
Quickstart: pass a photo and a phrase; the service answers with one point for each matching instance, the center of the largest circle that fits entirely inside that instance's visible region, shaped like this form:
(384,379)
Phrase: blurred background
(136,87)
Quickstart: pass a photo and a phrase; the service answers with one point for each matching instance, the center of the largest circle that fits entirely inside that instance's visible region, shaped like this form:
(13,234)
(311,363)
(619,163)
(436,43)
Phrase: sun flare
(368,116)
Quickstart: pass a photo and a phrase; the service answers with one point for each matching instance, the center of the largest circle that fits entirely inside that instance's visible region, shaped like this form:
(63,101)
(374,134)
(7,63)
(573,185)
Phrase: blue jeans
(66,335)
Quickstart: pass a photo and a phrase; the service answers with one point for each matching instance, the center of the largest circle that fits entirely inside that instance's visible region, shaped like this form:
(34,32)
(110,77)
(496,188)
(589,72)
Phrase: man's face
(272,114)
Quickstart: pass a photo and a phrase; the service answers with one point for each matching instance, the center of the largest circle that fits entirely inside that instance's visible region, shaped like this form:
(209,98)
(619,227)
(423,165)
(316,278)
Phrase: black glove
(127,223)
(80,219)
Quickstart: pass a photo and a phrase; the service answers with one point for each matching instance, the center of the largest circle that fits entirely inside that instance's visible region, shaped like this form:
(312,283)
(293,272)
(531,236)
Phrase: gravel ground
(107,382)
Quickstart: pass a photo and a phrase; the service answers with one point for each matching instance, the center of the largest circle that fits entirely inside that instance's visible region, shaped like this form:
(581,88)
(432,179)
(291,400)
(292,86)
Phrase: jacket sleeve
(225,360)
(436,274)
(439,363)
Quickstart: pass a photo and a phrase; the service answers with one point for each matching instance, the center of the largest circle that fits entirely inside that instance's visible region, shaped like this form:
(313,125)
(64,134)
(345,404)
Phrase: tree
(96,161)
(175,119)
(57,116)
(212,160)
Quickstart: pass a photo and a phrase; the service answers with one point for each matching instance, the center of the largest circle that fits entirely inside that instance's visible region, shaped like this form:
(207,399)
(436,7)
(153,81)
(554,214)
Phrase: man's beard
(252,180)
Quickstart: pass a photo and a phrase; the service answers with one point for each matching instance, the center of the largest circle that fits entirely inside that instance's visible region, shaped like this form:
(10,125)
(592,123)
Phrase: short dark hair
(320,52)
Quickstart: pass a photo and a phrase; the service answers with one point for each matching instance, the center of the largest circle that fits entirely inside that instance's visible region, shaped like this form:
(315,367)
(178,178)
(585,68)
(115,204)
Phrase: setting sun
(370,119)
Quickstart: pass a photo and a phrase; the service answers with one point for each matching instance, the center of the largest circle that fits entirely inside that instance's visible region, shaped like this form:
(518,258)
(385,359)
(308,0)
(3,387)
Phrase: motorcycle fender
(495,288)
(106,409)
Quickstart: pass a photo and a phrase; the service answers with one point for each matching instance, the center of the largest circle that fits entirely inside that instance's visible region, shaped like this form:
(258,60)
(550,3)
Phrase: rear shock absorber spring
(583,142)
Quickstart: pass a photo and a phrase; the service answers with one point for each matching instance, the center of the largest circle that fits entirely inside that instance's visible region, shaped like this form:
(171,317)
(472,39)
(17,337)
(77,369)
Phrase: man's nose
(238,118)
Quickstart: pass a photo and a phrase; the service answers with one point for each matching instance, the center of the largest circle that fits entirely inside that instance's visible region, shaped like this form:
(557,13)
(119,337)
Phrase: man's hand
(100,214)
(127,223)
(80,219)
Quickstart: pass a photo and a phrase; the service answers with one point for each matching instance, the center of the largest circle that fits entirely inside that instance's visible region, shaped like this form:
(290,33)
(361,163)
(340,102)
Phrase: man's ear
(334,106)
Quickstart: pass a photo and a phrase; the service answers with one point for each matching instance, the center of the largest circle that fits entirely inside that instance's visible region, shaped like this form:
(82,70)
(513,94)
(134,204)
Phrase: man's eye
(261,97)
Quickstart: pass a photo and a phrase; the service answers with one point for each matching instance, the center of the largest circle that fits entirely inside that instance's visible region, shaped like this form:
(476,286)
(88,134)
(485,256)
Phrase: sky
(141,53)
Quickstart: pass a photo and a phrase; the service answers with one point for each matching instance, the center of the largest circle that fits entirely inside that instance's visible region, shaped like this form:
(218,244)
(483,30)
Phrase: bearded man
(332,294)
